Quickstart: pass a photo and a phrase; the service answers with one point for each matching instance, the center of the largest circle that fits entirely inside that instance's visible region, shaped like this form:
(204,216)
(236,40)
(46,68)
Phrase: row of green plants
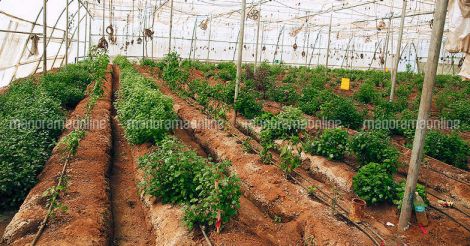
(316,100)
(377,158)
(206,190)
(32,116)
(175,174)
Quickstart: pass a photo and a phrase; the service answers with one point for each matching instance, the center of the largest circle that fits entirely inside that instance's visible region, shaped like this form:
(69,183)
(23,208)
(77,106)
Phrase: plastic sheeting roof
(356,42)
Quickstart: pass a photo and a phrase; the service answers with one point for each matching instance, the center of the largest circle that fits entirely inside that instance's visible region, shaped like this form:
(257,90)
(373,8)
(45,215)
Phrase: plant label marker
(345,84)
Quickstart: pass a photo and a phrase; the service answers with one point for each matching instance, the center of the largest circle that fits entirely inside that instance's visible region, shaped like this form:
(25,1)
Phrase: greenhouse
(262,122)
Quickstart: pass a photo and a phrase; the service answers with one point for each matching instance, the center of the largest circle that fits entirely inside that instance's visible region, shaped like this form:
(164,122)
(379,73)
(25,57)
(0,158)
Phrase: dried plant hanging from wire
(148,34)
(203,24)
(381,25)
(296,31)
(110,32)
(103,44)
(34,45)
(254,14)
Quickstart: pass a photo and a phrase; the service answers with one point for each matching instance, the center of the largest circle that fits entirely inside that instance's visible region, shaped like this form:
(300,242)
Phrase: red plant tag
(423,230)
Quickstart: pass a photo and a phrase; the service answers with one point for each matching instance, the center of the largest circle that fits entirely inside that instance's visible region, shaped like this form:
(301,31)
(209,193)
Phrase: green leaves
(332,144)
(400,191)
(179,176)
(247,105)
(374,184)
(374,146)
(290,159)
(31,119)
(145,113)
(451,148)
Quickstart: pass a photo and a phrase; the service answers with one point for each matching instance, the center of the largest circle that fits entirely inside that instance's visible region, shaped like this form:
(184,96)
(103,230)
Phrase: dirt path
(130,225)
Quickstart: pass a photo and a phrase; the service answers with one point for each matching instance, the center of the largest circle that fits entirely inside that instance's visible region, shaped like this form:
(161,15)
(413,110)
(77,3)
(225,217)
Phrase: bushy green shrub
(400,192)
(343,110)
(290,160)
(172,73)
(227,71)
(374,184)
(312,98)
(31,119)
(284,94)
(262,79)
(145,113)
(148,62)
(451,148)
(178,176)
(247,105)
(458,110)
(332,144)
(290,122)
(367,93)
(374,146)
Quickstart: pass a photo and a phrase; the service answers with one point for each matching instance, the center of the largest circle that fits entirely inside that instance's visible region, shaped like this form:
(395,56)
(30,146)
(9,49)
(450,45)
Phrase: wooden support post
(329,43)
(104,8)
(307,45)
(78,32)
(257,38)
(171,25)
(192,39)
(240,54)
(44,36)
(398,52)
(423,114)
(209,40)
(67,27)
(89,33)
(86,32)
(387,40)
(262,39)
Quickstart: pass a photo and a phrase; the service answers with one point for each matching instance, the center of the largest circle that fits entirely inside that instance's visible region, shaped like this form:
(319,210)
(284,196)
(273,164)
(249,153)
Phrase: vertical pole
(104,7)
(78,31)
(257,38)
(308,45)
(387,40)
(423,114)
(329,43)
(67,31)
(86,32)
(209,41)
(240,54)
(44,36)
(171,25)
(89,32)
(398,52)
(282,45)
(192,39)
(195,39)
(262,39)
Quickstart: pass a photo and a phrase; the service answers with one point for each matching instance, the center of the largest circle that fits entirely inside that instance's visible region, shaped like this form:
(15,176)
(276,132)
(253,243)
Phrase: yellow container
(345,84)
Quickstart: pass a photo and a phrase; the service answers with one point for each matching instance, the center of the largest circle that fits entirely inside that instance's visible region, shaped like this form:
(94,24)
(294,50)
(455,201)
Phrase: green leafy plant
(178,176)
(290,159)
(374,146)
(247,105)
(450,148)
(374,184)
(145,113)
(342,110)
(332,144)
(400,192)
(312,98)
(458,110)
(367,93)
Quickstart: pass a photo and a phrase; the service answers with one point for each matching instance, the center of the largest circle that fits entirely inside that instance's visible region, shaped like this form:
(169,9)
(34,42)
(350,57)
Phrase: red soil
(130,224)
